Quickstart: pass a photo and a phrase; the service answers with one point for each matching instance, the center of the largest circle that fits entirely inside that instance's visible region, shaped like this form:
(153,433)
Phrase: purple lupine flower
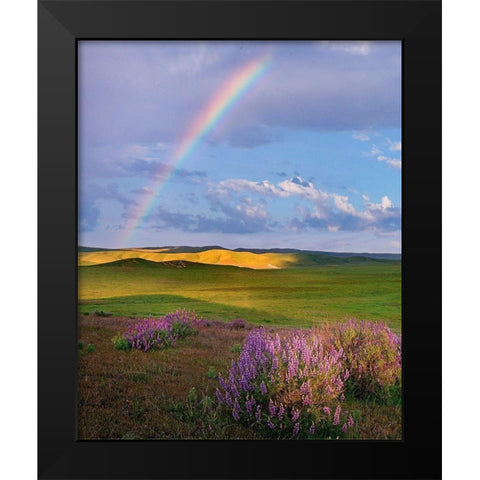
(292,366)
(249,406)
(162,332)
(244,384)
(270,424)
(336,417)
(304,363)
(234,390)
(272,409)
(219,396)
(258,414)
(222,382)
(344,428)
(305,388)
(350,421)
(306,391)
(275,363)
(296,429)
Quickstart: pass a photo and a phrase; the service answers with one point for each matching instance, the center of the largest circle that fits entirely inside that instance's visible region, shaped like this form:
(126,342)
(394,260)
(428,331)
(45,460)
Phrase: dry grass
(211,257)
(136,395)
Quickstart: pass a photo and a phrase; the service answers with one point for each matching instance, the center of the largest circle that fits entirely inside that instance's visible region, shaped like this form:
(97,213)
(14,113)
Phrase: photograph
(239,240)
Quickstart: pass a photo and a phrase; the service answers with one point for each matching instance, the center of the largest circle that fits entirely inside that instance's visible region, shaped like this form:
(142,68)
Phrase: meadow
(171,393)
(297,296)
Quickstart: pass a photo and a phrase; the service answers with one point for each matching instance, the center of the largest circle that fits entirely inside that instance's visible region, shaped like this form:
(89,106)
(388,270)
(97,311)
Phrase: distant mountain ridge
(93,249)
(377,256)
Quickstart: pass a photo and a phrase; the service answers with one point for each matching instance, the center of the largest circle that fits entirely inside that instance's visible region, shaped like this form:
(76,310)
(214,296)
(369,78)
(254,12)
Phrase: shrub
(183,323)
(90,347)
(289,388)
(162,332)
(371,355)
(150,333)
(120,342)
(212,373)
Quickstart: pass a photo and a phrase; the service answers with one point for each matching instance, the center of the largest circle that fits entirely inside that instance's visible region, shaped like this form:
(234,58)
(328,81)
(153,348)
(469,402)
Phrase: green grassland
(313,292)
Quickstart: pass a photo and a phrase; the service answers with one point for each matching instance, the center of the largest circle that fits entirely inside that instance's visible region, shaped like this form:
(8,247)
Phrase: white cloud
(341,202)
(287,188)
(385,205)
(329,211)
(238,184)
(252,211)
(393,162)
(361,136)
(297,186)
(375,150)
(393,146)
(378,152)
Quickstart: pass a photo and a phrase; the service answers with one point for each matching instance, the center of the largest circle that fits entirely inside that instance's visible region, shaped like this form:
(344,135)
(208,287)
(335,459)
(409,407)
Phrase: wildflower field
(206,373)
(183,377)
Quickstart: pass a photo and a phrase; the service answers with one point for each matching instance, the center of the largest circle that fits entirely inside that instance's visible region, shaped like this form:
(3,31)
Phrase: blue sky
(308,157)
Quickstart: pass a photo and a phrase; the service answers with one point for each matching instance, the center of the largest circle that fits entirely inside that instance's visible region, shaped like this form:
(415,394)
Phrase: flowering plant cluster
(161,332)
(289,387)
(372,353)
(294,387)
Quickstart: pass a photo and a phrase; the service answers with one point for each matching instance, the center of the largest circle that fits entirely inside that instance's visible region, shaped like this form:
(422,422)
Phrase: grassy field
(301,296)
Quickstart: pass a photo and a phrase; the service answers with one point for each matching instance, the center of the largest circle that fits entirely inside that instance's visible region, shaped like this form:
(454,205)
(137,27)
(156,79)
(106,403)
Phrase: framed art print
(239,239)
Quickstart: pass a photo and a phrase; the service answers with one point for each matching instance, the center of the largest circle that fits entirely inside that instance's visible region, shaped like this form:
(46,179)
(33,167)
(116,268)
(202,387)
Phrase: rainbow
(213,111)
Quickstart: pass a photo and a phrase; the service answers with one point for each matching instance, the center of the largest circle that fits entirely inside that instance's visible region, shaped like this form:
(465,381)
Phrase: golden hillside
(211,257)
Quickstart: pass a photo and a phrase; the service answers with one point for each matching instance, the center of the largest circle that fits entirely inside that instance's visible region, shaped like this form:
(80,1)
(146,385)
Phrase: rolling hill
(258,260)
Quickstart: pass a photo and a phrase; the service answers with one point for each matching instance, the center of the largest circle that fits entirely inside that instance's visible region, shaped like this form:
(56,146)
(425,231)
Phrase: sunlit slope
(257,261)
(209,257)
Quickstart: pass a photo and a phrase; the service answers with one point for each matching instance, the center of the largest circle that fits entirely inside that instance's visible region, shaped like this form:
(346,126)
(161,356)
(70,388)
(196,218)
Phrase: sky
(240,144)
